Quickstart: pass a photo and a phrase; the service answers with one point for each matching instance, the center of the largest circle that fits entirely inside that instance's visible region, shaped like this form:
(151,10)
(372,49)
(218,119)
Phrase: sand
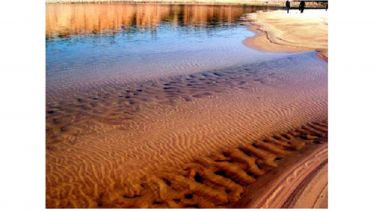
(252,135)
(300,182)
(219,180)
(293,32)
(104,143)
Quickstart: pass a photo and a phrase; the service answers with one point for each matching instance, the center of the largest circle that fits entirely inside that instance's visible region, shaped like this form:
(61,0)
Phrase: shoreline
(197,139)
(262,36)
(273,33)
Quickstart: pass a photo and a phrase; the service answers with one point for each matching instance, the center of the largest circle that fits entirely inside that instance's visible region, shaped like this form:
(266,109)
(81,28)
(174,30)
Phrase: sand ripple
(103,138)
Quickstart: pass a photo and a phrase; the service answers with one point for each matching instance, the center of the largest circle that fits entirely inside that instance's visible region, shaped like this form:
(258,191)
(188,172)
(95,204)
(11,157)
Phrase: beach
(201,138)
(115,147)
(293,32)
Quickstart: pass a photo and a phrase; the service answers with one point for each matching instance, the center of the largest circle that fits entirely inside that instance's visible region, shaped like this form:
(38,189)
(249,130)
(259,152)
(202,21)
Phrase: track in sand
(102,140)
(221,179)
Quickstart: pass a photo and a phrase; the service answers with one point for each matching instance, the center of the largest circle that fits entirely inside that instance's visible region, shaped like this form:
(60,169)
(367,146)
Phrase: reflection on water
(70,19)
(120,105)
(92,44)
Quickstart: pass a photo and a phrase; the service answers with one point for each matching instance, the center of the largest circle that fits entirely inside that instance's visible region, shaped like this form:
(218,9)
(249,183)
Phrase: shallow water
(134,88)
(138,42)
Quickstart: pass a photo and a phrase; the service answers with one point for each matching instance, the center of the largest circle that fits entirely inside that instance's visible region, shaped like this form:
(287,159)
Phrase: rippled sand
(104,138)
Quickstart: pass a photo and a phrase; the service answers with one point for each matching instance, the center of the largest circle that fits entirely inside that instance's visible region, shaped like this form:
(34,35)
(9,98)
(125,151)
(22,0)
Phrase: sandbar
(293,32)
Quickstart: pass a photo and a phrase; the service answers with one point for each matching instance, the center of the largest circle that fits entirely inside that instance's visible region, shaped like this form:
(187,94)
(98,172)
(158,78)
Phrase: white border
(351,105)
(22,81)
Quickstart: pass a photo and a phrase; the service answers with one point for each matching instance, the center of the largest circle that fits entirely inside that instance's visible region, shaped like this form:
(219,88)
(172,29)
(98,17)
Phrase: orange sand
(108,143)
(293,32)
(301,183)
(107,138)
(219,179)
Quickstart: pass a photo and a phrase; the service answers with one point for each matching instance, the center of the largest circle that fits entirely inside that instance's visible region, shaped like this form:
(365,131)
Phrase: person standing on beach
(302,6)
(287,5)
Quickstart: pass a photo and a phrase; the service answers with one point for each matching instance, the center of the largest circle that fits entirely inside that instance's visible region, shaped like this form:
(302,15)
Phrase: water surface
(98,43)
(132,89)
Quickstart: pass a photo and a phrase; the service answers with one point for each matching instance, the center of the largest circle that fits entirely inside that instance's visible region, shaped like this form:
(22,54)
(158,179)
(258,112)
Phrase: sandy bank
(102,141)
(293,32)
(300,182)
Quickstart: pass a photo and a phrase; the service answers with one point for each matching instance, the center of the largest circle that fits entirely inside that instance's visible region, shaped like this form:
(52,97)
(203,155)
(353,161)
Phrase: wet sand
(186,137)
(293,32)
(221,178)
(300,182)
(105,142)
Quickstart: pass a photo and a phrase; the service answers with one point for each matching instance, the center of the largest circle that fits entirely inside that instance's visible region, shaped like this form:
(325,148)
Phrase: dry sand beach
(252,135)
(293,32)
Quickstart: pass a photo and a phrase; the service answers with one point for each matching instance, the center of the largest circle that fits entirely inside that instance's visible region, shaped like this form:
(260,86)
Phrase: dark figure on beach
(302,6)
(287,5)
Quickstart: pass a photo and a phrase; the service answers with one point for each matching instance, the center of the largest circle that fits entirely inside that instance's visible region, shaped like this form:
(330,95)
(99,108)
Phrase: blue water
(136,54)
